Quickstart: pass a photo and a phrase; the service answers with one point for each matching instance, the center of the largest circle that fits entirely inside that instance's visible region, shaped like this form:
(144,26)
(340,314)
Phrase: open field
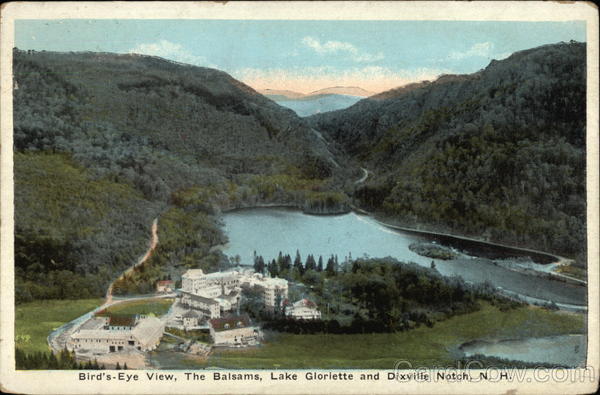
(157,307)
(422,347)
(35,320)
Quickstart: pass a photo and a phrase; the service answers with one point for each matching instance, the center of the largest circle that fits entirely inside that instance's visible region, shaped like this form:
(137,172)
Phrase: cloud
(335,47)
(477,50)
(484,50)
(502,55)
(169,50)
(308,79)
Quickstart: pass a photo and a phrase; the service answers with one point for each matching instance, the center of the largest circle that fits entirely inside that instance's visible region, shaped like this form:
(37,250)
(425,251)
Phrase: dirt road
(144,258)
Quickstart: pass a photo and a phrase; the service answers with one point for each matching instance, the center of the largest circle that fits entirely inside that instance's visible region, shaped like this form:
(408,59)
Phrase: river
(271,230)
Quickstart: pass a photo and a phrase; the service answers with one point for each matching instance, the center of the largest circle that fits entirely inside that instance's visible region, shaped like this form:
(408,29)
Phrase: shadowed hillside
(498,154)
(105,143)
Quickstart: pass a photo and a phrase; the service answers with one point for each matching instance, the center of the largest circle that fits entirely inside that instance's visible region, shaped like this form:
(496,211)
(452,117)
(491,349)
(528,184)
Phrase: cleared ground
(34,321)
(157,307)
(422,347)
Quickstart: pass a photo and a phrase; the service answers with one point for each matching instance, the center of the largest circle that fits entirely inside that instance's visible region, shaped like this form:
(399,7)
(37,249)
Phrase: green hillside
(105,143)
(73,232)
(498,155)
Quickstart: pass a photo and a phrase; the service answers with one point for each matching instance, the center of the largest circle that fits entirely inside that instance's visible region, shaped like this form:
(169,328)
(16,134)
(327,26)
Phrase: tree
(278,301)
(298,264)
(310,263)
(320,264)
(259,264)
(286,264)
(273,268)
(330,269)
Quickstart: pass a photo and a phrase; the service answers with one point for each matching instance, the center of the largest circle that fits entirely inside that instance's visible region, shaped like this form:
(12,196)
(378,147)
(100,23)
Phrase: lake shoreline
(292,206)
(269,230)
(547,257)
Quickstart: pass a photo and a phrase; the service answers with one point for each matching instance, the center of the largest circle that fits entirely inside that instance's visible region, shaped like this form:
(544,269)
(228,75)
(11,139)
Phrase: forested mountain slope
(104,143)
(498,154)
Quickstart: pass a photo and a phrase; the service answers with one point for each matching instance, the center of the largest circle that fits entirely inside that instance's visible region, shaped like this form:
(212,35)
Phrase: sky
(305,56)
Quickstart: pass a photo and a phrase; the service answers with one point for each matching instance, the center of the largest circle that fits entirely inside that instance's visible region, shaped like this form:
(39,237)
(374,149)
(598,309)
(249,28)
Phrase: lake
(271,230)
(566,350)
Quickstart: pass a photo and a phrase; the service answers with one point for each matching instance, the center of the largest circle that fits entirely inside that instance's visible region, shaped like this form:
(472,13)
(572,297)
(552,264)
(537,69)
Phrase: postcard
(299,197)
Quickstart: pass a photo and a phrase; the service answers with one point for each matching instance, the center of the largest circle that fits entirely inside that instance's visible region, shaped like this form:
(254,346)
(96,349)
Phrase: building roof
(232,322)
(190,314)
(305,303)
(191,273)
(229,273)
(274,282)
(148,328)
(198,273)
(94,323)
(231,296)
(101,334)
(121,320)
(199,298)
(165,282)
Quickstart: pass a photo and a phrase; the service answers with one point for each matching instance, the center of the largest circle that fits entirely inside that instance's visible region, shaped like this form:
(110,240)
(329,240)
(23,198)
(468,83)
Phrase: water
(566,350)
(271,230)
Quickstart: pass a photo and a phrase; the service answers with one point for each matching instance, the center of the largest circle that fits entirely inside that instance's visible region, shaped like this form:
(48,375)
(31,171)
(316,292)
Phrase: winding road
(57,340)
(364,177)
(552,268)
(144,258)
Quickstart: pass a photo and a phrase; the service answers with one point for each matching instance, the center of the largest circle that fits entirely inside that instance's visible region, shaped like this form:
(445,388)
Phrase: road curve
(144,258)
(364,177)
(57,339)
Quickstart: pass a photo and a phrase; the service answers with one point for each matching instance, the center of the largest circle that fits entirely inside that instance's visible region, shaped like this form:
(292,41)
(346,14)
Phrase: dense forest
(498,155)
(106,143)
(368,295)
(65,360)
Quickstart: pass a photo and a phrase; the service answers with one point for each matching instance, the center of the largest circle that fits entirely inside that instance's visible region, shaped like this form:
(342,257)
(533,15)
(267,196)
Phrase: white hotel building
(225,287)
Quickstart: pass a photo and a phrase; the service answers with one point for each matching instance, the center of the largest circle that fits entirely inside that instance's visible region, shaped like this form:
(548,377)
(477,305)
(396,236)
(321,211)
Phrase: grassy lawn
(196,334)
(37,319)
(422,346)
(157,307)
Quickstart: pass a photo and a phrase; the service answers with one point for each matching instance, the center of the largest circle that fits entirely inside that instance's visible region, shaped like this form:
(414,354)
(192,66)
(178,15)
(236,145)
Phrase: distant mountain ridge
(322,100)
(336,90)
(343,90)
(283,93)
(315,104)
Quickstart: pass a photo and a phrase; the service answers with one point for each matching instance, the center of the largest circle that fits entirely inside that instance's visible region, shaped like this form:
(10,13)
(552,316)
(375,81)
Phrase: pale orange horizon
(373,79)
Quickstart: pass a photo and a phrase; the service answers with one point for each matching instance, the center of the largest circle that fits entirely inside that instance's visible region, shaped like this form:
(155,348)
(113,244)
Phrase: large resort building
(214,295)
(205,301)
(105,334)
(210,285)
(207,307)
